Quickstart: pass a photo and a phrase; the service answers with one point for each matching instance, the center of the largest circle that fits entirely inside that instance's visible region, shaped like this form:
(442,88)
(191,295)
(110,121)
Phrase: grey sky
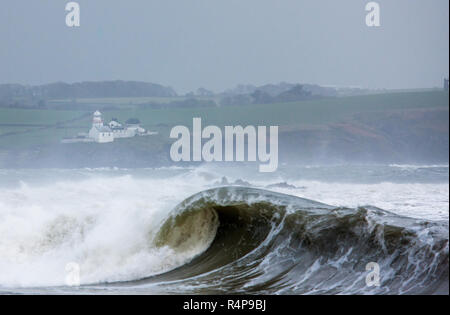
(220,43)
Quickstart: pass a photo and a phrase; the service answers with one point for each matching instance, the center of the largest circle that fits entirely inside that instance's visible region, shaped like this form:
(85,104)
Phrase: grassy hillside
(357,123)
(21,128)
(117,102)
(36,116)
(284,114)
(323,111)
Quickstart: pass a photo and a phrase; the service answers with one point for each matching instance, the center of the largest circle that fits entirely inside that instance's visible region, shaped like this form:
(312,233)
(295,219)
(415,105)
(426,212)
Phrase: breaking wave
(223,240)
(273,243)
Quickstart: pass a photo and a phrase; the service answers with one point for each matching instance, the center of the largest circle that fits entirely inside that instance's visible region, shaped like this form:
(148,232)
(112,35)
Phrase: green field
(36,116)
(285,114)
(11,130)
(37,127)
(25,127)
(118,102)
(122,102)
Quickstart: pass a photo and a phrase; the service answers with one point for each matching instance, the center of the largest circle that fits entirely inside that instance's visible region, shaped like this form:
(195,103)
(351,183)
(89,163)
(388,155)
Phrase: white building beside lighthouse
(119,131)
(99,132)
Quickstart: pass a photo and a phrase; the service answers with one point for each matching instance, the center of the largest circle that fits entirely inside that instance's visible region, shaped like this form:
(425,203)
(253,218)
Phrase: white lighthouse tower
(97,120)
(99,132)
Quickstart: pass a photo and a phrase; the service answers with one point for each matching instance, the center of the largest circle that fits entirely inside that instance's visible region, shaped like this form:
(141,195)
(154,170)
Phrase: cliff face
(412,136)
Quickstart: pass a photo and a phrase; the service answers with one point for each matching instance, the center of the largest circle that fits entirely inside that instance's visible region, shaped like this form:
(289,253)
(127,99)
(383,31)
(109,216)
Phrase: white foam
(104,224)
(423,201)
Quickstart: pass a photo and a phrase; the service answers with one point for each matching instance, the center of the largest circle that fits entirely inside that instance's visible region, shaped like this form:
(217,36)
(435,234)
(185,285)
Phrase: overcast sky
(217,44)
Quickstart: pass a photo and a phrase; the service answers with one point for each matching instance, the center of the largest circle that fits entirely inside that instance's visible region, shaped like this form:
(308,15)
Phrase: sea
(225,229)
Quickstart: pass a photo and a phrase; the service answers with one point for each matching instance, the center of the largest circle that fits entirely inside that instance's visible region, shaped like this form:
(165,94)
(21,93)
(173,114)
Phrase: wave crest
(273,243)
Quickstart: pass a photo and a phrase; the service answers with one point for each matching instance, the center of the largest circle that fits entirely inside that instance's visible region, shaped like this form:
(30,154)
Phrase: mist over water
(123,225)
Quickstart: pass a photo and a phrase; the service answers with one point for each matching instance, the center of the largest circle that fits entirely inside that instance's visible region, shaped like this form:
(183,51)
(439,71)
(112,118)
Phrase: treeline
(43,96)
(262,96)
(104,89)
(186,103)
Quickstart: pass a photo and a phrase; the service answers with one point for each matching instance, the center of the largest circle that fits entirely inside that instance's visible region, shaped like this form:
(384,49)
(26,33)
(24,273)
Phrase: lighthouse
(99,132)
(97,120)
(102,133)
